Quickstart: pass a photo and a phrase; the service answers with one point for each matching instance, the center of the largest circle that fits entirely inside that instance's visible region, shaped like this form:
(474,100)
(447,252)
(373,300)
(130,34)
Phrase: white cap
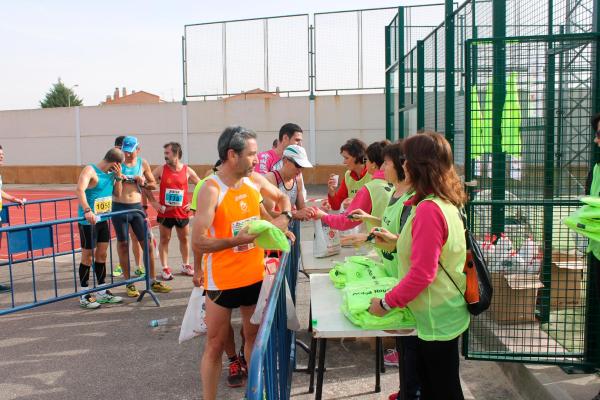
(298,155)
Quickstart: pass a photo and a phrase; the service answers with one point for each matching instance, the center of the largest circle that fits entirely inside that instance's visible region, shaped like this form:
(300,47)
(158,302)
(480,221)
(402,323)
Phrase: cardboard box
(514,297)
(566,285)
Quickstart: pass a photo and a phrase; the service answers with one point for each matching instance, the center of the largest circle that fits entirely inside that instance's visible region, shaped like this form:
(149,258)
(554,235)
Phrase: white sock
(101,292)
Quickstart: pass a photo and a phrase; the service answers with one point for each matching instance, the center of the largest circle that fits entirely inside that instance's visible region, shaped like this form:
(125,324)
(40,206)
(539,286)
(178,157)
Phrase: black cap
(594,121)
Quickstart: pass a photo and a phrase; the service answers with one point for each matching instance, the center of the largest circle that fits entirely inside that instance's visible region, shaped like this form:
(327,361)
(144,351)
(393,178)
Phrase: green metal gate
(528,147)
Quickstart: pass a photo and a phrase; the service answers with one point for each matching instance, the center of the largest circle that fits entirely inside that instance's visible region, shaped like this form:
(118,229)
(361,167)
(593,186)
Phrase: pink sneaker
(166,274)
(391,358)
(187,269)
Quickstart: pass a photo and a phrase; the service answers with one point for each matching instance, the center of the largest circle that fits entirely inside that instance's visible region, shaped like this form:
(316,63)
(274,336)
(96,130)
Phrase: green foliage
(60,96)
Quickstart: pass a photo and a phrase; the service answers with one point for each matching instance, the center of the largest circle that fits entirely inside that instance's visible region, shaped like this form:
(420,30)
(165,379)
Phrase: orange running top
(241,265)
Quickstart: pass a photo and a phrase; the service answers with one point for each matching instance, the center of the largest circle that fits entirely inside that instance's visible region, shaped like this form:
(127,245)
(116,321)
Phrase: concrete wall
(47,137)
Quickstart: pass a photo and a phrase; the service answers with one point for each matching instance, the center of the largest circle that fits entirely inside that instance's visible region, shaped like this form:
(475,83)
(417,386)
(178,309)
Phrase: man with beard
(174,207)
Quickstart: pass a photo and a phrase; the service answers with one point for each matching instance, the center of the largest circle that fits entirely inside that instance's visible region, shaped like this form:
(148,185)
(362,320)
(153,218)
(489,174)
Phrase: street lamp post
(69,95)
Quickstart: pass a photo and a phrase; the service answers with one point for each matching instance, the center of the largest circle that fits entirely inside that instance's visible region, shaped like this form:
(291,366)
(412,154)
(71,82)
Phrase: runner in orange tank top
(233,264)
(173,207)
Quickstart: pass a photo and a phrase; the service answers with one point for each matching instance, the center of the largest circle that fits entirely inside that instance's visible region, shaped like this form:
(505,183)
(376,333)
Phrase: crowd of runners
(407,194)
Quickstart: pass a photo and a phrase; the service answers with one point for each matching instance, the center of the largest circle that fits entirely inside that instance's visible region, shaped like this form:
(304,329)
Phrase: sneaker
(187,269)
(391,358)
(166,274)
(140,271)
(4,288)
(160,287)
(89,302)
(117,271)
(236,375)
(132,291)
(393,396)
(108,298)
(243,362)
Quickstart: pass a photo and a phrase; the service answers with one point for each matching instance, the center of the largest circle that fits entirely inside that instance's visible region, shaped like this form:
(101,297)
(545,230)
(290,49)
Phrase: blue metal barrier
(33,238)
(273,355)
(37,211)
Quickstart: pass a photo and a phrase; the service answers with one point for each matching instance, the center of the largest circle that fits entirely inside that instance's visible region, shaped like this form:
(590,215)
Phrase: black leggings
(437,367)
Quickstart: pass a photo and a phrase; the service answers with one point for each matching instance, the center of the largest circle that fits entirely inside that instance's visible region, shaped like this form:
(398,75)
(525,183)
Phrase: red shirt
(336,200)
(174,192)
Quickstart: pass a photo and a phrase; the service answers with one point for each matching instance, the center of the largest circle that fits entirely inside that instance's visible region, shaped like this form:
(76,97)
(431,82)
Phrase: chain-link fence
(338,51)
(512,85)
(231,57)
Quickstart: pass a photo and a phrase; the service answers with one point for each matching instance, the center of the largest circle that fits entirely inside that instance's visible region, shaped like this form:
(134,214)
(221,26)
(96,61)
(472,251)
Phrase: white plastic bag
(194,319)
(292,319)
(327,240)
(263,296)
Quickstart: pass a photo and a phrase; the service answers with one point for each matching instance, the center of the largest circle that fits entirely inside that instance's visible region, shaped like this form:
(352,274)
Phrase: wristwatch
(384,305)
(288,214)
(87,210)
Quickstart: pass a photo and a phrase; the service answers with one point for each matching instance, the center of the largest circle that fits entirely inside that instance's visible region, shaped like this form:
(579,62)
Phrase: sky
(100,45)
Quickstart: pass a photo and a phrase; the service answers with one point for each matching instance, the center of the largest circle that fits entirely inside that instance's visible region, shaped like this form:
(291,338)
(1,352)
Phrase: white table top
(325,302)
(312,264)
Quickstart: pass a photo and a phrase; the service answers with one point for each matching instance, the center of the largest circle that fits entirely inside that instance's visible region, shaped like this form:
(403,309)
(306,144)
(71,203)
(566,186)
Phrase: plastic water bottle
(159,322)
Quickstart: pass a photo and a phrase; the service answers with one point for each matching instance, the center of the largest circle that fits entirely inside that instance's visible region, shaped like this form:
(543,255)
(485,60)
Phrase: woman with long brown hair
(431,254)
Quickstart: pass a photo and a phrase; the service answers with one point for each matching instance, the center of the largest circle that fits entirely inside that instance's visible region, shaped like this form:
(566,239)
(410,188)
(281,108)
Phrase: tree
(60,96)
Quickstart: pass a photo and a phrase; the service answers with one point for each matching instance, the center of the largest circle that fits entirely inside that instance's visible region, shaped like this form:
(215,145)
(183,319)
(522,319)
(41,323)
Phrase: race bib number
(174,197)
(103,205)
(235,228)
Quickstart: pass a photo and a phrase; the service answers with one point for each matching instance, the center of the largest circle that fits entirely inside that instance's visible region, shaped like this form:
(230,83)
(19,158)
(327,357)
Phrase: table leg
(311,364)
(400,350)
(377,365)
(321,370)
(381,356)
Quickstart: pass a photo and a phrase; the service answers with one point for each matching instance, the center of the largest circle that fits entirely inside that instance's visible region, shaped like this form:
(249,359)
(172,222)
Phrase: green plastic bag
(357,299)
(269,237)
(356,269)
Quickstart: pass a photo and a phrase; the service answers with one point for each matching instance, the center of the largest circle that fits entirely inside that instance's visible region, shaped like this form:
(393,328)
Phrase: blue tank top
(131,172)
(99,197)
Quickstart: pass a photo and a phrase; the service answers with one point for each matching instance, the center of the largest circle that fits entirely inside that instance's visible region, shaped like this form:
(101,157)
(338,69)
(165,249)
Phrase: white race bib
(103,205)
(174,197)
(235,228)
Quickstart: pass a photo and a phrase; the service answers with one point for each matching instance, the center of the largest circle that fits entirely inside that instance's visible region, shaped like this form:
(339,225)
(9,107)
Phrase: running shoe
(132,291)
(140,271)
(166,274)
(243,362)
(108,298)
(391,358)
(187,269)
(4,288)
(236,375)
(117,271)
(160,287)
(89,302)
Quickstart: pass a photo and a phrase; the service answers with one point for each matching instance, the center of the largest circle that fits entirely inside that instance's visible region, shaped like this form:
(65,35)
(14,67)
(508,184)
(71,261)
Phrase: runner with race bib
(174,207)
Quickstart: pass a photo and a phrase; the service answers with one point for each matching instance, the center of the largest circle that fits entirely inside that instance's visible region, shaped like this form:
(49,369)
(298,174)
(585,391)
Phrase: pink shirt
(362,201)
(266,160)
(429,234)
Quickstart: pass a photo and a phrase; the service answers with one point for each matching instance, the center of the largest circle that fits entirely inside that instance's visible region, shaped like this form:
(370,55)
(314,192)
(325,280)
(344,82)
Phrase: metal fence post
(420,85)
(184,70)
(498,97)
(592,348)
(449,66)
(401,73)
(389,112)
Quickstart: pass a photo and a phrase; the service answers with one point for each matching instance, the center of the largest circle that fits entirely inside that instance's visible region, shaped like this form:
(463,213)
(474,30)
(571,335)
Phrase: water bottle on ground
(159,322)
